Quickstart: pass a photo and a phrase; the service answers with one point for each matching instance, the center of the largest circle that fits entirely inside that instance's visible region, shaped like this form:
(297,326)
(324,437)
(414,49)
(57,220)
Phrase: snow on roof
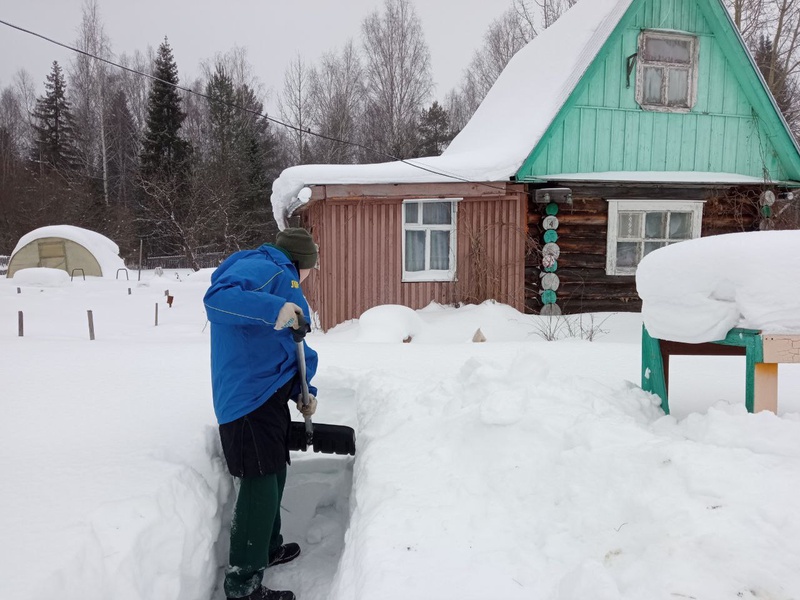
(507,125)
(698,290)
(103,249)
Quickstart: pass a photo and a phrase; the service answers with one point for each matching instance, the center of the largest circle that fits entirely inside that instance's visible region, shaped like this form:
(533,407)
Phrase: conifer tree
(434,131)
(54,148)
(164,152)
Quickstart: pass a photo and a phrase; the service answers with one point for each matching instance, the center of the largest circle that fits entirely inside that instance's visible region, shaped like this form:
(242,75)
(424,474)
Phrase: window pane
(630,225)
(655,225)
(680,226)
(678,88)
(415,250)
(650,246)
(436,213)
(667,50)
(653,78)
(627,254)
(412,212)
(440,250)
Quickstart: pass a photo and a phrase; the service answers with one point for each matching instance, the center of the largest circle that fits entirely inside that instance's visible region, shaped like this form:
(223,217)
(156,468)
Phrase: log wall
(584,285)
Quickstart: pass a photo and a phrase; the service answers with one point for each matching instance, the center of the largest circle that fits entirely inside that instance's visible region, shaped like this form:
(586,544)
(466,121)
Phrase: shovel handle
(299,334)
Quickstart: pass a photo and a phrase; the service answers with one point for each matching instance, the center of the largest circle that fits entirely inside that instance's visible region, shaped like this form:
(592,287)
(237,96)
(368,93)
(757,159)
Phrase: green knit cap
(300,246)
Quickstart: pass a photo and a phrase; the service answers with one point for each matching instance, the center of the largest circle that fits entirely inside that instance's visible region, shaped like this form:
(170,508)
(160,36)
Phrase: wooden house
(626,126)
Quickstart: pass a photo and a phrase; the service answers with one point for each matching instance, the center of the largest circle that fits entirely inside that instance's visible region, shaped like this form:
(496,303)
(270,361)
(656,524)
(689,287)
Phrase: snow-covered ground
(515,468)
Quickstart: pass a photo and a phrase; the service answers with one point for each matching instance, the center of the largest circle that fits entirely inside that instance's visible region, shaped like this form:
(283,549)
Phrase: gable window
(666,77)
(429,240)
(637,227)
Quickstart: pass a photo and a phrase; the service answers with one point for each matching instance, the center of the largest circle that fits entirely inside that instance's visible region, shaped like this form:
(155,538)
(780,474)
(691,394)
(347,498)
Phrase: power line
(245,109)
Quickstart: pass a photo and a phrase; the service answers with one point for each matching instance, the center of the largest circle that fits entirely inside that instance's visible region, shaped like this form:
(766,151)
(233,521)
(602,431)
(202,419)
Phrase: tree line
(143,161)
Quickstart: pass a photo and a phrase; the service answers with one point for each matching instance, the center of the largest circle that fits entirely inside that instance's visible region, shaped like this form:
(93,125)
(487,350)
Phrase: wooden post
(91,324)
(156,314)
(129,291)
(20,324)
(766,387)
(19,290)
(141,242)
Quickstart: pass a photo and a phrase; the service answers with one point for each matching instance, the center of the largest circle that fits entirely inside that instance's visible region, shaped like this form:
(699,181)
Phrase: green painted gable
(733,127)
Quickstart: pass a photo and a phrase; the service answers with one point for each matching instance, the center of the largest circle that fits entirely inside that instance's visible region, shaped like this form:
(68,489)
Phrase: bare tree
(337,91)
(89,90)
(398,78)
(297,109)
(135,86)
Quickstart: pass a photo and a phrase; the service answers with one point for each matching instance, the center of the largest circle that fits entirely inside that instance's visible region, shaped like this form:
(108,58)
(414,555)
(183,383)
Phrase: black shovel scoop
(328,439)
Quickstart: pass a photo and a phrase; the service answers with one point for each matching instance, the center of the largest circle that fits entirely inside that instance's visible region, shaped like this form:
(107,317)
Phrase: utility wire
(245,109)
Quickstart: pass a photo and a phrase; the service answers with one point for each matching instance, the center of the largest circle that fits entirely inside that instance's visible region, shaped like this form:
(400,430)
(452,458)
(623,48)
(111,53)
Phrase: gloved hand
(287,316)
(310,408)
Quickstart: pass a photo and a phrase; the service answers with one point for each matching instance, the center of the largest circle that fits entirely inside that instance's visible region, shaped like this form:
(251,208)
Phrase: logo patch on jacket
(295,284)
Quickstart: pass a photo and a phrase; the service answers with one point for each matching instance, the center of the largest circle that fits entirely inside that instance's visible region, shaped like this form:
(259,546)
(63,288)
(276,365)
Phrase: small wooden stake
(19,291)
(91,324)
(19,320)
(156,314)
(129,291)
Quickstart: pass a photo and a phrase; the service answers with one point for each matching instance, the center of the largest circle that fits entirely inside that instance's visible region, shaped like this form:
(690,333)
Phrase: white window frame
(431,274)
(641,63)
(639,205)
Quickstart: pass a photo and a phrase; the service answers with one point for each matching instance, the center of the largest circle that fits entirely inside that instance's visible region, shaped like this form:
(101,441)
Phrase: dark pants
(256,450)
(255,532)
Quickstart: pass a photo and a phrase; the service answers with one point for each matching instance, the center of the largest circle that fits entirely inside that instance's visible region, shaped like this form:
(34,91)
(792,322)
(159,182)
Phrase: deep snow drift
(514,468)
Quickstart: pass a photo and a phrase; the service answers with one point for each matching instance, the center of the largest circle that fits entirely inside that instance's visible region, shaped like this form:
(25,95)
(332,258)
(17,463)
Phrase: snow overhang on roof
(507,125)
(687,177)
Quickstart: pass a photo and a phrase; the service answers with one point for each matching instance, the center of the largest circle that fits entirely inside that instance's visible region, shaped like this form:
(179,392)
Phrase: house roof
(504,129)
(513,118)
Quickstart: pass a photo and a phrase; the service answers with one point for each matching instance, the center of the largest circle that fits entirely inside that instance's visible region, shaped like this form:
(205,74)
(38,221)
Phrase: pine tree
(434,131)
(164,152)
(54,148)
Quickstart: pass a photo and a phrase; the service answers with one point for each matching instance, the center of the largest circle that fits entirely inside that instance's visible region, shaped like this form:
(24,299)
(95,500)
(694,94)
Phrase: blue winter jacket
(250,360)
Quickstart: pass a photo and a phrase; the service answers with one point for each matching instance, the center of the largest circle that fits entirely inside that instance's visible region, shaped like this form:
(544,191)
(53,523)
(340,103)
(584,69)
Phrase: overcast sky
(273,31)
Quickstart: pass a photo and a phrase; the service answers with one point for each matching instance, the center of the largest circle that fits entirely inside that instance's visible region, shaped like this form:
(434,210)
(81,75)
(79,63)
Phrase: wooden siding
(584,285)
(360,239)
(602,128)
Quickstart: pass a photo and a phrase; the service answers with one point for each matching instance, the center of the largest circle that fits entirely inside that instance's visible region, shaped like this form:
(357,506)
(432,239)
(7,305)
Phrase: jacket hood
(277,255)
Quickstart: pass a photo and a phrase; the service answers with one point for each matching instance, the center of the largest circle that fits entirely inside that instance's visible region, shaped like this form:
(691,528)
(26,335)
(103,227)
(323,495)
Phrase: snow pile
(42,277)
(105,251)
(516,468)
(504,129)
(389,323)
(697,290)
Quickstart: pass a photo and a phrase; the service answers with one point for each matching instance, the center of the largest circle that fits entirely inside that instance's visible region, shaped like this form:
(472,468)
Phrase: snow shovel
(328,439)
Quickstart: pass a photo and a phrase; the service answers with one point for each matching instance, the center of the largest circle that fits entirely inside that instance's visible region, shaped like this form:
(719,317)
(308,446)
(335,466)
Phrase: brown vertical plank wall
(360,243)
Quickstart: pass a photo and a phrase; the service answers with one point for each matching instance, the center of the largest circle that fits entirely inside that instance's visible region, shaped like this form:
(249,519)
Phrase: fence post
(91,324)
(156,314)
(20,323)
(19,290)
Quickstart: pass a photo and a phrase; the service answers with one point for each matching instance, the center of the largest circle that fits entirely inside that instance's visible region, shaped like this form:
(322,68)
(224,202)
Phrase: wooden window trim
(430,274)
(645,206)
(641,63)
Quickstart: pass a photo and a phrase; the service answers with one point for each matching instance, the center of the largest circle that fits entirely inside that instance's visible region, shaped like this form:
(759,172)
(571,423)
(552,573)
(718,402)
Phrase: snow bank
(697,290)
(388,323)
(42,277)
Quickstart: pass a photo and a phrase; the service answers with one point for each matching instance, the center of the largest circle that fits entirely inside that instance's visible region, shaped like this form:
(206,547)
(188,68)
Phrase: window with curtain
(666,78)
(637,227)
(429,240)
